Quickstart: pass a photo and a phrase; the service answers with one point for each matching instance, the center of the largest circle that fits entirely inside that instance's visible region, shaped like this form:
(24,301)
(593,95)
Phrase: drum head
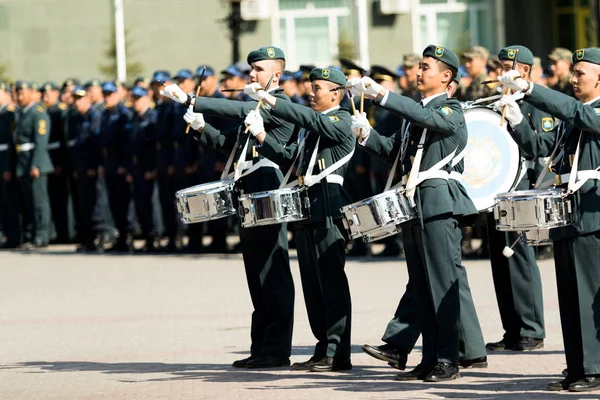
(492,159)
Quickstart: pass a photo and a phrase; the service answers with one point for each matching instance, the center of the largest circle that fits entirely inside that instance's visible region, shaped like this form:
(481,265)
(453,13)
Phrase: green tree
(109,69)
(346,47)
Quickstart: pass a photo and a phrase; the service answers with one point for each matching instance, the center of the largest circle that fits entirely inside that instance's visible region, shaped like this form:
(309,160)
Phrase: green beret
(591,55)
(48,86)
(442,54)
(524,55)
(92,83)
(328,74)
(5,86)
(19,85)
(266,53)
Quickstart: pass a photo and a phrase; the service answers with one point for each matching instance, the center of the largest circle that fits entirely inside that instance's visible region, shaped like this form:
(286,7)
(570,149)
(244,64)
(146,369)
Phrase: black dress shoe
(443,372)
(418,374)
(527,343)
(305,365)
(587,384)
(387,352)
(327,364)
(565,372)
(268,362)
(561,385)
(503,344)
(242,363)
(479,362)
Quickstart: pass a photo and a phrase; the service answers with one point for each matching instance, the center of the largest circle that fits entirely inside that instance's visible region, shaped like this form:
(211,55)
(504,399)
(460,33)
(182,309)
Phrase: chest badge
(547,124)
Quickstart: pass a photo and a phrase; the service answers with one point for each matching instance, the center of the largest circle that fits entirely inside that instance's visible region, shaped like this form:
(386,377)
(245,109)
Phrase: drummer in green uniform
(429,149)
(264,248)
(517,279)
(324,136)
(576,149)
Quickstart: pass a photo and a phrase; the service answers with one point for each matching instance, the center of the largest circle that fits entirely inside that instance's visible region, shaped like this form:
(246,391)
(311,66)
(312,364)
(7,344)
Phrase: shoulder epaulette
(40,108)
(10,108)
(152,105)
(62,106)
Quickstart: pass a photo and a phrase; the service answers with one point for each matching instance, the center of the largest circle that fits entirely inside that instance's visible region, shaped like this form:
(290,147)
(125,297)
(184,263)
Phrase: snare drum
(206,202)
(274,207)
(537,237)
(532,209)
(379,216)
(492,158)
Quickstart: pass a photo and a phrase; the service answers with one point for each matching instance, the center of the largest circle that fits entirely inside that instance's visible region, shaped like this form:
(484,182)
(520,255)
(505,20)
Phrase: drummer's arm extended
(448,118)
(533,144)
(276,151)
(566,108)
(214,138)
(227,108)
(383,147)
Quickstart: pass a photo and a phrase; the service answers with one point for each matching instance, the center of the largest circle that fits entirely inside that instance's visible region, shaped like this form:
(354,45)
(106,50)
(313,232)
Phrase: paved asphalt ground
(168,327)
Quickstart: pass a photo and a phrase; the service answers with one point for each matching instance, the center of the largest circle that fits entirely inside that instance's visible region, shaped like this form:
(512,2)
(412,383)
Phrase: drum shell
(379,216)
(206,202)
(532,209)
(274,207)
(537,237)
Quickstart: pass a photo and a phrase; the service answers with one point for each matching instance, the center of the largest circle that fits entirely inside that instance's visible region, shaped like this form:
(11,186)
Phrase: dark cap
(79,91)
(209,71)
(233,71)
(476,52)
(161,76)
(22,85)
(265,53)
(92,83)
(141,79)
(381,73)
(184,74)
(591,55)
(48,86)
(442,54)
(70,82)
(109,87)
(286,76)
(328,74)
(244,67)
(139,91)
(523,54)
(560,53)
(350,67)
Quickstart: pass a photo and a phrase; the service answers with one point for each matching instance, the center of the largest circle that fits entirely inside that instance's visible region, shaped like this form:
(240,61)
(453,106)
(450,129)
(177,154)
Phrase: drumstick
(187,129)
(235,90)
(507,90)
(261,102)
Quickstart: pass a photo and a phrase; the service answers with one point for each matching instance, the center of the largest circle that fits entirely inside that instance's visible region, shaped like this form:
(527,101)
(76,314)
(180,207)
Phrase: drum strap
(310,179)
(390,178)
(574,184)
(230,159)
(302,136)
(540,179)
(244,167)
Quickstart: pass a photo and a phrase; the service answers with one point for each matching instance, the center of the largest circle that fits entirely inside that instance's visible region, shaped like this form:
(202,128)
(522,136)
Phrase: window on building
(456,24)
(310,30)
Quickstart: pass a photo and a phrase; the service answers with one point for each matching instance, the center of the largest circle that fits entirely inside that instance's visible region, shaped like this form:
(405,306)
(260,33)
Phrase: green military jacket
(477,90)
(7,128)
(577,118)
(336,142)
(264,178)
(541,123)
(447,132)
(31,140)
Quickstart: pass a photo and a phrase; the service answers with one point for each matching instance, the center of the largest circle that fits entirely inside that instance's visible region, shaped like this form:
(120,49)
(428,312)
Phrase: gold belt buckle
(18,147)
(300,181)
(557,180)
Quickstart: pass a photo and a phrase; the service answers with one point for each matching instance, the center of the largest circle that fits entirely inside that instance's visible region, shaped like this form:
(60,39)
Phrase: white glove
(513,111)
(369,87)
(196,120)
(254,122)
(512,79)
(352,85)
(360,126)
(255,91)
(175,93)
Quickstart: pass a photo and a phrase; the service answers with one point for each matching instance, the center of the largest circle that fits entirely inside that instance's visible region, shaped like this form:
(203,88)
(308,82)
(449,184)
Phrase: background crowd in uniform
(98,163)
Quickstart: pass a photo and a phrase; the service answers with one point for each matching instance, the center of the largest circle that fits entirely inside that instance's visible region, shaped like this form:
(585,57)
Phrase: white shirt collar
(592,101)
(330,110)
(428,99)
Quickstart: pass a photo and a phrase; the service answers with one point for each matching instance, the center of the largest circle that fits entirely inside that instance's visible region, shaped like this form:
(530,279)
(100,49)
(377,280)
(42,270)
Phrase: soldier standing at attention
(408,82)
(576,246)
(116,164)
(9,191)
(58,182)
(267,270)
(144,164)
(476,60)
(434,131)
(560,66)
(33,166)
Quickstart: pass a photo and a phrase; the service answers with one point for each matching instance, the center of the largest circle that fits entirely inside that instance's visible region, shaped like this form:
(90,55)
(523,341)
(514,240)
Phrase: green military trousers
(577,263)
(36,210)
(267,265)
(518,286)
(322,257)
